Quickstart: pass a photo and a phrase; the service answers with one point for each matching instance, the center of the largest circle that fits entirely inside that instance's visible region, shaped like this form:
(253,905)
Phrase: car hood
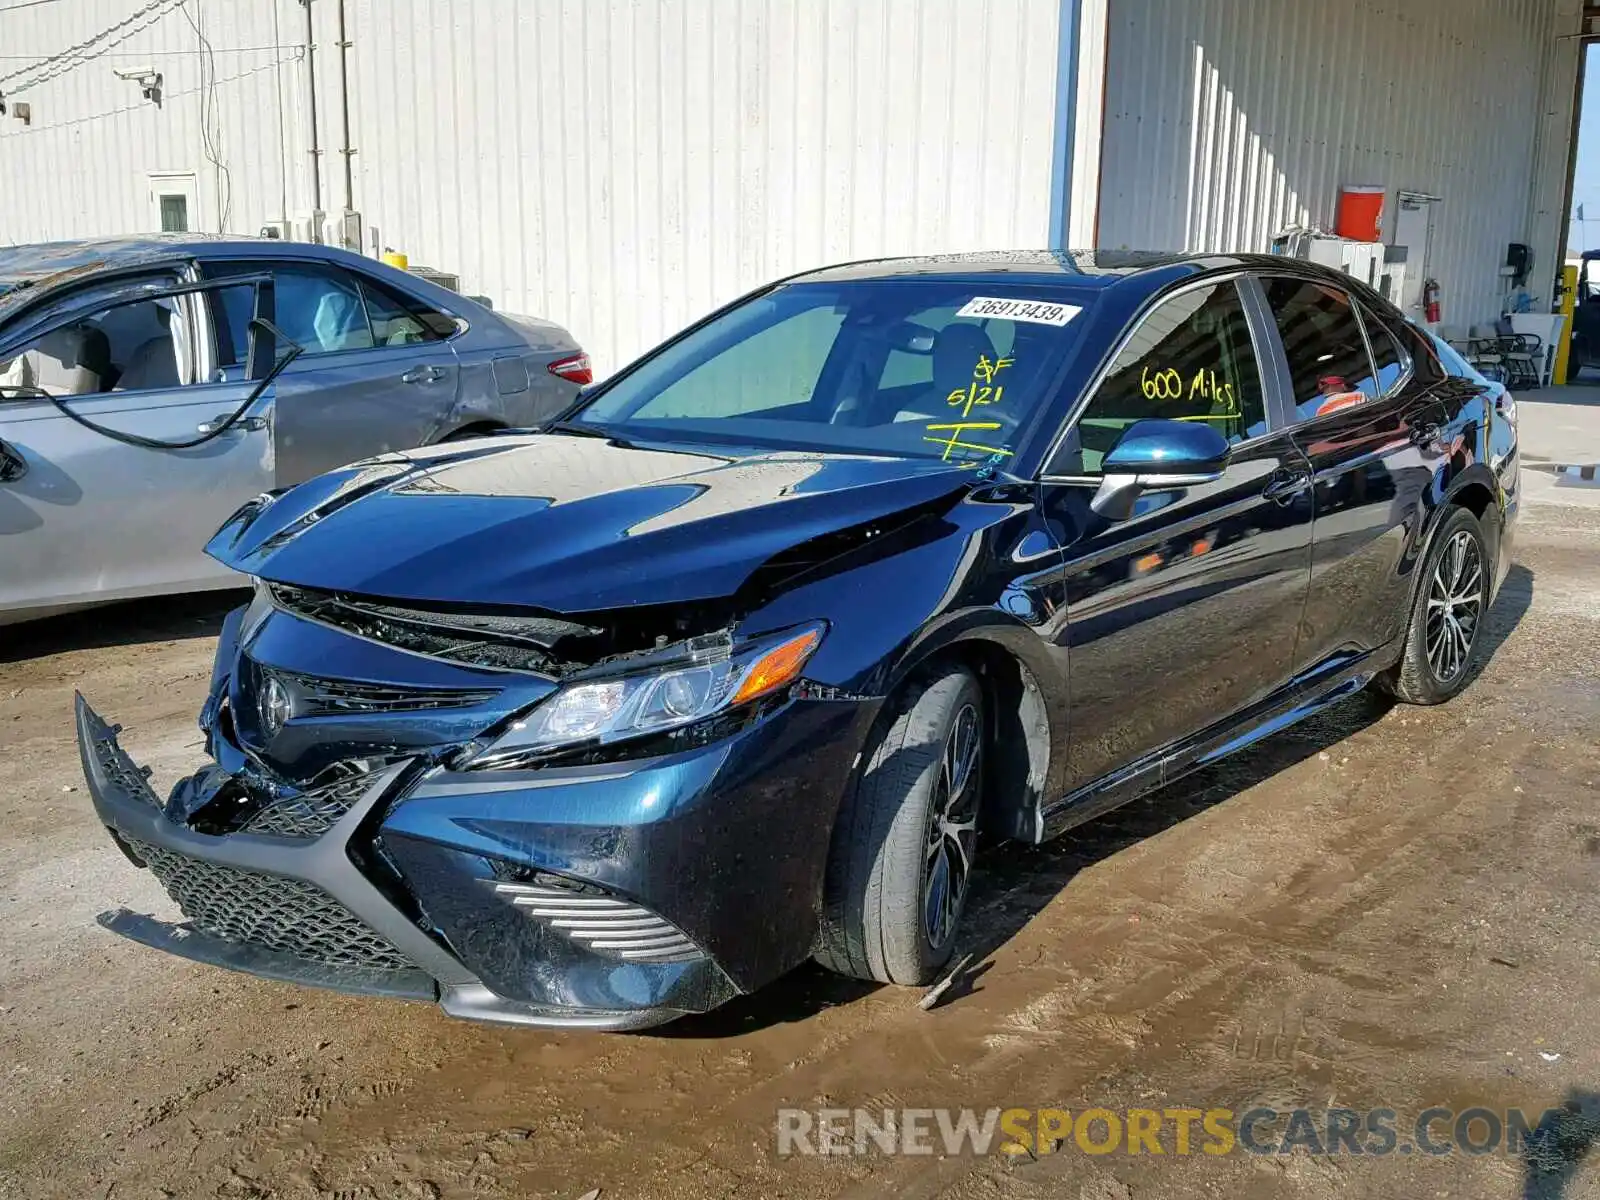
(566,522)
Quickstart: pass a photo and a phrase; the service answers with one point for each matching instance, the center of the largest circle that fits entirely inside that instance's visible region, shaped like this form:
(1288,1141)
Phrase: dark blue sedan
(742,660)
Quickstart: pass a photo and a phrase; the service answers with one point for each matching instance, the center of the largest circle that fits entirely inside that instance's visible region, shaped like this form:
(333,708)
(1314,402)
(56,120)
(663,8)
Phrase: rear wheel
(1447,617)
(901,863)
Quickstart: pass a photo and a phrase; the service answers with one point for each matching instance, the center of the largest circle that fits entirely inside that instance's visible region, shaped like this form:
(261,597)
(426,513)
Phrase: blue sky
(1586,179)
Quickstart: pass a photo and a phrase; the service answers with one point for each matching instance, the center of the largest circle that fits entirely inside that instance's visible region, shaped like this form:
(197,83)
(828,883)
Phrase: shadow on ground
(1559,1145)
(1016,881)
(128,623)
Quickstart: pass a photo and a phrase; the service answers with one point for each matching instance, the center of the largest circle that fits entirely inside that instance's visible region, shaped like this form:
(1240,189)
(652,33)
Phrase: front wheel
(1447,617)
(900,866)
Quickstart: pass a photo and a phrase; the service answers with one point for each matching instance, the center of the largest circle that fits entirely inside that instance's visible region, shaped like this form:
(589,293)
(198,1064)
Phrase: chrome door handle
(427,374)
(243,424)
(1284,486)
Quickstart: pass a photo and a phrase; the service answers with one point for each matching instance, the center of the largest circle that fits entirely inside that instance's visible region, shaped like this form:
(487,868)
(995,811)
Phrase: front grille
(508,643)
(308,814)
(605,924)
(287,915)
(320,696)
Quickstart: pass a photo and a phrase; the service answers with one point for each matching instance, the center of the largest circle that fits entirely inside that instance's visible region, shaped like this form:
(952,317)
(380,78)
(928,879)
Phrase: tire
(1447,586)
(1577,354)
(885,915)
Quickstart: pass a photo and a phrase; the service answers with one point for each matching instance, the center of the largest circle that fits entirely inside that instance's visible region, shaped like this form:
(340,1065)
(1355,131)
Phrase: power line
(150,53)
(76,55)
(27,4)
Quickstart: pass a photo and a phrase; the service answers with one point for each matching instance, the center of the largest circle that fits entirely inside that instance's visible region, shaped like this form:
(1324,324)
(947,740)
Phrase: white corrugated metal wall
(1227,120)
(81,166)
(624,167)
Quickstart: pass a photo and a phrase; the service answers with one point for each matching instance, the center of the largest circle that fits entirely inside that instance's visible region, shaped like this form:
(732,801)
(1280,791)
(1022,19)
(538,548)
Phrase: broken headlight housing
(715,677)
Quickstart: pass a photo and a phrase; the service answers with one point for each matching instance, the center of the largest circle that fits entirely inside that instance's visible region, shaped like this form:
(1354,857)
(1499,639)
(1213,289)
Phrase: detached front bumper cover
(304,912)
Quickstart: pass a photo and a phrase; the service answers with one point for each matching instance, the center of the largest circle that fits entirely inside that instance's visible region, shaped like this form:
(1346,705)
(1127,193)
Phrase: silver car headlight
(611,709)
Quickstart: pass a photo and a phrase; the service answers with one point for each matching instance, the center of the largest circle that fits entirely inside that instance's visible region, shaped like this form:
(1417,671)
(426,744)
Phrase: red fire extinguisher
(1431,311)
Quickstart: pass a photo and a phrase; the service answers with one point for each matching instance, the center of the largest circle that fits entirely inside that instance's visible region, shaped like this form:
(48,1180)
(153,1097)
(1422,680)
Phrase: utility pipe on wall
(314,149)
(345,150)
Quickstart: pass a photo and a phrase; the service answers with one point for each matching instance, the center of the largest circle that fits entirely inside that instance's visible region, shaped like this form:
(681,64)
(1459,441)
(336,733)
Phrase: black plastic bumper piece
(188,942)
(131,811)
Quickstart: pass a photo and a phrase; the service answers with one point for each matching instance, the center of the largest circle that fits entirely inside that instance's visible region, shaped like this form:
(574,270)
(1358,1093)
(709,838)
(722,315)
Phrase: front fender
(977,592)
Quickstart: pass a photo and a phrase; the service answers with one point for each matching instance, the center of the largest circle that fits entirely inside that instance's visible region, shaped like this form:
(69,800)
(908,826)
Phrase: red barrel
(1361,213)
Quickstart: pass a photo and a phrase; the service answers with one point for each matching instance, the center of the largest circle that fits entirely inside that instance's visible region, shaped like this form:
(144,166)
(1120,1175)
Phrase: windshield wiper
(574,428)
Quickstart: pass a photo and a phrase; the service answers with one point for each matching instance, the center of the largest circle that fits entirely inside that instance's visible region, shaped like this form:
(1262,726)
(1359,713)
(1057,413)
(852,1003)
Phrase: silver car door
(90,518)
(368,380)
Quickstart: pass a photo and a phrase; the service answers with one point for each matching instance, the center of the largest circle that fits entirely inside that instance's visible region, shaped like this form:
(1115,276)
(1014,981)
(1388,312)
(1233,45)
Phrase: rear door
(93,518)
(1184,615)
(1368,425)
(375,373)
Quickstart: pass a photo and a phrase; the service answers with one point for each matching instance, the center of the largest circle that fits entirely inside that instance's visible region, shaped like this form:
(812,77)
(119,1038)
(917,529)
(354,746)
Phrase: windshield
(925,368)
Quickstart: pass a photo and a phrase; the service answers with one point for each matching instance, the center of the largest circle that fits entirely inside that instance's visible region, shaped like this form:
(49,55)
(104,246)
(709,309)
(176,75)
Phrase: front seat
(155,363)
(956,351)
(74,360)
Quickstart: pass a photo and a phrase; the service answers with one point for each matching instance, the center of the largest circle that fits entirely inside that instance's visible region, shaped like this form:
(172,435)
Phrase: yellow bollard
(1569,301)
(394,258)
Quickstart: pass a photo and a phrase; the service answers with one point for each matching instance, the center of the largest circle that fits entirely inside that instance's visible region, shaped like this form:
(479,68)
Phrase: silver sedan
(149,387)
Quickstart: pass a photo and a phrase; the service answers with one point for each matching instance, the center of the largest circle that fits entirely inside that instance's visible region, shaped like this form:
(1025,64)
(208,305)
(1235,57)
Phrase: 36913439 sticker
(1041,312)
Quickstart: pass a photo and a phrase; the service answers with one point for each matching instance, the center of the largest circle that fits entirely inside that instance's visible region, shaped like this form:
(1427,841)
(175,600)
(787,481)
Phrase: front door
(92,518)
(1184,614)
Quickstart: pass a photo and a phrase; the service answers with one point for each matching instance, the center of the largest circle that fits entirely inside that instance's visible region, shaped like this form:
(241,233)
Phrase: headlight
(600,711)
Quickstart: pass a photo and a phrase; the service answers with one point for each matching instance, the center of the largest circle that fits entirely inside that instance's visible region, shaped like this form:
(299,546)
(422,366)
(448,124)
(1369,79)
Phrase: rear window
(922,368)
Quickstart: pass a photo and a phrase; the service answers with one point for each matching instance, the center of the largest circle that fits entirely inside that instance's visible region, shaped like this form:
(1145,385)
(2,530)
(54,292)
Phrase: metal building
(623,166)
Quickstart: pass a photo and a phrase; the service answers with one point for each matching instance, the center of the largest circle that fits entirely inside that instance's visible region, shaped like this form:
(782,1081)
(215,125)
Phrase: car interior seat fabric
(74,360)
(154,361)
(957,349)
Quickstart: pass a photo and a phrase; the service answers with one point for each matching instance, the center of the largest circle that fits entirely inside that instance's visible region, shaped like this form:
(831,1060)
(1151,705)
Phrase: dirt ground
(1383,907)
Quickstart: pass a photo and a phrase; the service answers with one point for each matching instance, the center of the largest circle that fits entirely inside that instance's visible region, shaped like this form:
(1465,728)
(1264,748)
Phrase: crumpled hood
(566,522)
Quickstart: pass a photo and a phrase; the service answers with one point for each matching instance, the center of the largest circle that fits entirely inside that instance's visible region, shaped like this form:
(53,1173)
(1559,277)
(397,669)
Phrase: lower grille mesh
(309,814)
(287,915)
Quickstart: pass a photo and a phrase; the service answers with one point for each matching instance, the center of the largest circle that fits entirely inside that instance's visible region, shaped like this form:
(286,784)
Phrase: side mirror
(1158,454)
(12,465)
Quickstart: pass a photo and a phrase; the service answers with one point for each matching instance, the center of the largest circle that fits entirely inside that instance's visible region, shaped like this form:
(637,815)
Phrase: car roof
(1082,269)
(28,271)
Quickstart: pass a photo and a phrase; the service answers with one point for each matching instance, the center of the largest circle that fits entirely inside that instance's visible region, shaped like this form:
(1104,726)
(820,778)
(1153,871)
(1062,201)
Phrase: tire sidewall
(907,950)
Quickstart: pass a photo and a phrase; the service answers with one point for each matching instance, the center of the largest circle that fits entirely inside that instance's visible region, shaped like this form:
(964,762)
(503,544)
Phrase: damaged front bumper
(605,897)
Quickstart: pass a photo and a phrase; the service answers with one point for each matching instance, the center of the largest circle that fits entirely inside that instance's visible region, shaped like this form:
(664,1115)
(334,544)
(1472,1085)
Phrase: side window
(139,346)
(400,322)
(775,368)
(1387,357)
(1329,368)
(1191,359)
(321,310)
(231,311)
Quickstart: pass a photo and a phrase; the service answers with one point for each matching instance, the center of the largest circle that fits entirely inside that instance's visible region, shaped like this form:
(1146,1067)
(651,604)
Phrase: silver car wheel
(952,830)
(1455,605)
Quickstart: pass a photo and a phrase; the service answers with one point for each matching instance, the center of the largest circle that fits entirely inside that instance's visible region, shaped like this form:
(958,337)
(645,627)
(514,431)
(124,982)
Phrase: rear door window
(1329,367)
(1388,359)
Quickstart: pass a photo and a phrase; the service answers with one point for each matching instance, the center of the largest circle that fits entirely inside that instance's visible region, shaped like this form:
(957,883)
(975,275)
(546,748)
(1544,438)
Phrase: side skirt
(1336,679)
